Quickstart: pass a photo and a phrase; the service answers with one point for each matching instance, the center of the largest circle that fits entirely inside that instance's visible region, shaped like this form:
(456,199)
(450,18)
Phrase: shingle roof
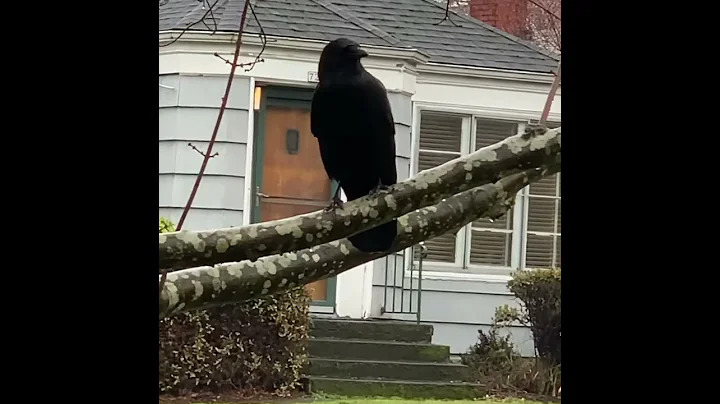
(397,23)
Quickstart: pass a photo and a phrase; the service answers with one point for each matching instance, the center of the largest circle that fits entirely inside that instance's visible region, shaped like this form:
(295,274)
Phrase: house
(454,85)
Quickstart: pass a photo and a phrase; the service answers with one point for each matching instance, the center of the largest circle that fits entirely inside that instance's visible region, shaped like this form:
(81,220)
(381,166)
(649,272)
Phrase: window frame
(468,137)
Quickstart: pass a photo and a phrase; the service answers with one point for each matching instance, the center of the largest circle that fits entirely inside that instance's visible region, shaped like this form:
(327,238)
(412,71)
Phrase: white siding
(188,112)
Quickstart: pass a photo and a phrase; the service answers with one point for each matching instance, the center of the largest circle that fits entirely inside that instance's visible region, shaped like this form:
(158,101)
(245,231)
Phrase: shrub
(492,353)
(258,345)
(166,225)
(494,359)
(495,362)
(540,292)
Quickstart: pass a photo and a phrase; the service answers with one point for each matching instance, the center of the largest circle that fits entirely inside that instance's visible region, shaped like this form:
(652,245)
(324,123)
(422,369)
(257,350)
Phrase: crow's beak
(361,53)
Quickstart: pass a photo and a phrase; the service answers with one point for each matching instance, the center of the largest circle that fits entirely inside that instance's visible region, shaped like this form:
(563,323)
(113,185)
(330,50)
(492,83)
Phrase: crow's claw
(335,203)
(379,188)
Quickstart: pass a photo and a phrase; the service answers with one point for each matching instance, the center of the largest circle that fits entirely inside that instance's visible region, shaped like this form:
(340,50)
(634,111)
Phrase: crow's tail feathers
(376,239)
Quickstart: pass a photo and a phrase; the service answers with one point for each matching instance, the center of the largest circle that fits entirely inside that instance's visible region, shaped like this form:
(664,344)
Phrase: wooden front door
(292,179)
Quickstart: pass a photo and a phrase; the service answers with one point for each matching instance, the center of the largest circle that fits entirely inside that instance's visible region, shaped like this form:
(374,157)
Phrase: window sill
(453,273)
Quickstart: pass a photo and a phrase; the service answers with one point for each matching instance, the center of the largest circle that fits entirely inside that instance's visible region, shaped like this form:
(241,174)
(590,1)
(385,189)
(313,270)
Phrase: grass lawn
(405,401)
(358,400)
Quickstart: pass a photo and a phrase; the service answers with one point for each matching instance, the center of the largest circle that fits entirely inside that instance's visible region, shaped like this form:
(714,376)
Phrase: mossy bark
(207,286)
(536,148)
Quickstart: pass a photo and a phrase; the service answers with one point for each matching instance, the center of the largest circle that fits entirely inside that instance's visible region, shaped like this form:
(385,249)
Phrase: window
(526,236)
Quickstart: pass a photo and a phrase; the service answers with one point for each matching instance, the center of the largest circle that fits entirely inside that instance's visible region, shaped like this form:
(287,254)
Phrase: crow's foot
(335,203)
(379,188)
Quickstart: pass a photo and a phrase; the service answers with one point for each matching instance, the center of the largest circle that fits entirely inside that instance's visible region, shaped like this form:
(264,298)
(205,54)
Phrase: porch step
(331,348)
(397,388)
(383,358)
(387,370)
(376,330)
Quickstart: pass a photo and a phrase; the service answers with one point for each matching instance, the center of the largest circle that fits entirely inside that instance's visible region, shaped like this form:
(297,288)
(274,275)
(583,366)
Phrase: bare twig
(247,66)
(192,146)
(258,59)
(447,15)
(545,9)
(201,20)
(244,65)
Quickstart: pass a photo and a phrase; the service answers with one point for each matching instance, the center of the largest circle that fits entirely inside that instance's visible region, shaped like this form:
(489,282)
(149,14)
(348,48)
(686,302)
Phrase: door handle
(258,195)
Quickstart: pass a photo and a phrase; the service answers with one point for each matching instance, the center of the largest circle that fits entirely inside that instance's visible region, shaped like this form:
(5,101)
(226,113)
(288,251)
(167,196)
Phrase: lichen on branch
(207,286)
(540,147)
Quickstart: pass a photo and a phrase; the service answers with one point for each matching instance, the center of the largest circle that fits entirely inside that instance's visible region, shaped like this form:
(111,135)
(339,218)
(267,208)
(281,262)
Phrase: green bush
(492,353)
(495,362)
(254,346)
(494,359)
(166,225)
(539,292)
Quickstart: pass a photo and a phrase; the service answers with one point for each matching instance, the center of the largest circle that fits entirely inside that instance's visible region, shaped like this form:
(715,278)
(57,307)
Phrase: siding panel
(204,219)
(169,96)
(207,91)
(403,140)
(230,160)
(215,192)
(401,105)
(194,124)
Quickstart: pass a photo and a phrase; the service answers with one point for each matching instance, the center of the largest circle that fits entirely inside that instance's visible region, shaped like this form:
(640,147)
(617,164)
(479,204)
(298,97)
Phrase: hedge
(540,293)
(494,359)
(254,346)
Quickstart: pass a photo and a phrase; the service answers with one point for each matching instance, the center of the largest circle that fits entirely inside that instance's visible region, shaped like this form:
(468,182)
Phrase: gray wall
(188,113)
(457,309)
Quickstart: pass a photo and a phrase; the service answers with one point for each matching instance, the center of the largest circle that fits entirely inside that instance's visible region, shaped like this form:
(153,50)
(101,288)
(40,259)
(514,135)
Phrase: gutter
(486,73)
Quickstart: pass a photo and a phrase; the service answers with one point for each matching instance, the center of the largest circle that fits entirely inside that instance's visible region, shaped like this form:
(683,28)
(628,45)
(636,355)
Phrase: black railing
(402,291)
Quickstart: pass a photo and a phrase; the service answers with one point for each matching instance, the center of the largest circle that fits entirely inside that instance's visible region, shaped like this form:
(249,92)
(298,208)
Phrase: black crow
(352,120)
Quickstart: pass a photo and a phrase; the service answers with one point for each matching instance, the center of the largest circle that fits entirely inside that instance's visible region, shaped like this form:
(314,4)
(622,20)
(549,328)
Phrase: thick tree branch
(203,287)
(192,248)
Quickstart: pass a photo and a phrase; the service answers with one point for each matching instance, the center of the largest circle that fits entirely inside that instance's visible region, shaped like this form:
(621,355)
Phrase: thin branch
(191,248)
(247,66)
(545,9)
(192,146)
(200,20)
(263,38)
(204,287)
(212,16)
(447,15)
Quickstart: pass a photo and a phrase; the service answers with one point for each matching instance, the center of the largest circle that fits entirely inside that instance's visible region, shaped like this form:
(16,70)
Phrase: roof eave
(408,54)
(486,72)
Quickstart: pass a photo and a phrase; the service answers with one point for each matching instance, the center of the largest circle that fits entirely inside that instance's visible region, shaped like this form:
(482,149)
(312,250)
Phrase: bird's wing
(316,111)
(381,128)
(321,126)
(377,106)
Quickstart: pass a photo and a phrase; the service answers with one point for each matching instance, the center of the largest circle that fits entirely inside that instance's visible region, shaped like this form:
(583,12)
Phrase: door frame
(286,97)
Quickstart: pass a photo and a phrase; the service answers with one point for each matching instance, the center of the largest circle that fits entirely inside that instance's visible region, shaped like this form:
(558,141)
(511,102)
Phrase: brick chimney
(507,15)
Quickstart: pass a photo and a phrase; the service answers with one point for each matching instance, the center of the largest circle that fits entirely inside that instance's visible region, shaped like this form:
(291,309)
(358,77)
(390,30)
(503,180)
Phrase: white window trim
(461,268)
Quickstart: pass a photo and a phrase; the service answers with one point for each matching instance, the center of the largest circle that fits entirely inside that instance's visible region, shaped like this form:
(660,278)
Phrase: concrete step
(389,370)
(377,330)
(396,388)
(377,350)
